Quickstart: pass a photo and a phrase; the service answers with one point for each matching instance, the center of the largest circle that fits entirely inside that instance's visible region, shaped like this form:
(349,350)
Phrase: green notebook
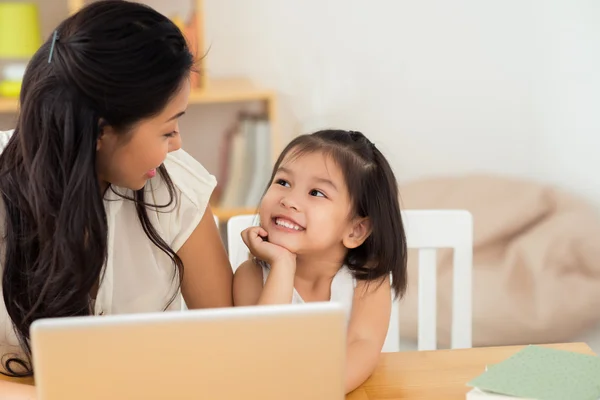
(545,374)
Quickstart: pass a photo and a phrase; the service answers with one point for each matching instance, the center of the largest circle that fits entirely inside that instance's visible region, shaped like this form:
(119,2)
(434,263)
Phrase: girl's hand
(256,240)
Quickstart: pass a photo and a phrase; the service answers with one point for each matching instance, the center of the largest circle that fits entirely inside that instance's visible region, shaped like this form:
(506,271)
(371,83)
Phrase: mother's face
(129,159)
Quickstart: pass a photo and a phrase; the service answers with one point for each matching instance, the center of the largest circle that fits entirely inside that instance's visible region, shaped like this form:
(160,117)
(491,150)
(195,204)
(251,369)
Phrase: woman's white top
(342,289)
(138,276)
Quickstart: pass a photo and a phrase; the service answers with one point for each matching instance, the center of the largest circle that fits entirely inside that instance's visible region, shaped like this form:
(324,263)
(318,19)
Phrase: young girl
(330,230)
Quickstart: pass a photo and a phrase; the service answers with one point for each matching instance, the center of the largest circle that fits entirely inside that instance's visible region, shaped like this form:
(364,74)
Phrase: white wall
(567,94)
(445,87)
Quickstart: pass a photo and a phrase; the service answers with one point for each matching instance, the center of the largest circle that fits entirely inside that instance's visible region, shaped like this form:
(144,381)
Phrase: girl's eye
(171,134)
(316,193)
(282,182)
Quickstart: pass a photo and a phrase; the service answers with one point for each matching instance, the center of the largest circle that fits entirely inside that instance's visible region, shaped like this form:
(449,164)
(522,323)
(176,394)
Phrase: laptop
(292,352)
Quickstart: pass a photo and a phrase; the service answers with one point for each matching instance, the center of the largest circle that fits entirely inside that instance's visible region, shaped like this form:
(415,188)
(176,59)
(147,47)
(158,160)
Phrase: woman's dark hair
(374,193)
(113,62)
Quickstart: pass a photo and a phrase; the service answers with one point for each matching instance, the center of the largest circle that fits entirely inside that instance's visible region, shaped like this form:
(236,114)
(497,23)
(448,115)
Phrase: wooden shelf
(8,105)
(226,90)
(225,214)
(230,90)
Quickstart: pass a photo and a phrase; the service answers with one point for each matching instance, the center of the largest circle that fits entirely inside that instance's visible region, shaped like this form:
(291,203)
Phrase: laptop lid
(292,352)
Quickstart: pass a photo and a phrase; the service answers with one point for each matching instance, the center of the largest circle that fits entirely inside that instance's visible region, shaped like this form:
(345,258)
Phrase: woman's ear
(359,231)
(104,131)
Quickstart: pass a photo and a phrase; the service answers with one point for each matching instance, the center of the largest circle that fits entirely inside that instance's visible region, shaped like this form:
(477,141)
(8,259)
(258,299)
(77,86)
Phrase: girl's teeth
(287,224)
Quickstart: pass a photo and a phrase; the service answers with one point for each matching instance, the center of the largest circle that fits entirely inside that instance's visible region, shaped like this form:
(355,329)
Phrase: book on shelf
(539,373)
(245,163)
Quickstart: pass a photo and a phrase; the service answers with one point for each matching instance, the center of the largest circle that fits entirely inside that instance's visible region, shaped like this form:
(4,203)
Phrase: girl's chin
(276,239)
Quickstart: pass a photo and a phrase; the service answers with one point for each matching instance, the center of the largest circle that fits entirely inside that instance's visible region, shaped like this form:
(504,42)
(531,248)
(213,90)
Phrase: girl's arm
(207,276)
(248,281)
(17,391)
(367,330)
(248,284)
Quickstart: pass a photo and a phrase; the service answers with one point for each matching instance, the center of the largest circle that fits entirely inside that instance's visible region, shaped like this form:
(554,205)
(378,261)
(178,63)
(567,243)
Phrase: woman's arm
(207,277)
(367,330)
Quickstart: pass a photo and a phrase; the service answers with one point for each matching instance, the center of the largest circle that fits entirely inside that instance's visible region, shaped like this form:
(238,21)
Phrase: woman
(101,211)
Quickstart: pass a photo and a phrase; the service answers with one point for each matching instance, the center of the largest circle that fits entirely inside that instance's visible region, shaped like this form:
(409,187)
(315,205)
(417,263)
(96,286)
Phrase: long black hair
(114,61)
(374,193)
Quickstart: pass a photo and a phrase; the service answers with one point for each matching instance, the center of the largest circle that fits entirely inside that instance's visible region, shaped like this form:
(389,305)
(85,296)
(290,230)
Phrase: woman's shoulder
(191,178)
(182,205)
(192,184)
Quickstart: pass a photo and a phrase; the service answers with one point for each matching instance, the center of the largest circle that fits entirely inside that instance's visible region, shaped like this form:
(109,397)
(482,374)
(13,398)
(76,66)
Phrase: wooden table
(416,375)
(440,374)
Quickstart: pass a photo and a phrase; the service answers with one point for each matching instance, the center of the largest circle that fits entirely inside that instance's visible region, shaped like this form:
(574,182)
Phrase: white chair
(236,248)
(426,230)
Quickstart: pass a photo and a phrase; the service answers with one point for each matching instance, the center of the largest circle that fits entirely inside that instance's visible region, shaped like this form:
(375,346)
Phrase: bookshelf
(197,41)
(206,91)
(223,90)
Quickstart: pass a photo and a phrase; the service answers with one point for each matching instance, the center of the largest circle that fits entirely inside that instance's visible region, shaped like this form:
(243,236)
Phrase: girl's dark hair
(374,193)
(113,62)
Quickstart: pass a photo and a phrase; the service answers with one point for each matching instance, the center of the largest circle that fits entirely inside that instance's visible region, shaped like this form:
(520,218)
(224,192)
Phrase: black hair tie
(356,136)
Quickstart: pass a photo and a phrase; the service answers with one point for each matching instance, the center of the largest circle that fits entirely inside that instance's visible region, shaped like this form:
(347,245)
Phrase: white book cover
(477,394)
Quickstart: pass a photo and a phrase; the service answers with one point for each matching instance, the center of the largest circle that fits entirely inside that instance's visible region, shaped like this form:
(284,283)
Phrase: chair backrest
(427,231)
(236,248)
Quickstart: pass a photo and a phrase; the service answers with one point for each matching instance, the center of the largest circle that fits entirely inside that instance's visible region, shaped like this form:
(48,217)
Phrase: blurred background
(490,106)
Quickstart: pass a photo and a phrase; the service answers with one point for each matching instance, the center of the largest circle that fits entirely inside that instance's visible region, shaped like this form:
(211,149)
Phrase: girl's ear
(360,230)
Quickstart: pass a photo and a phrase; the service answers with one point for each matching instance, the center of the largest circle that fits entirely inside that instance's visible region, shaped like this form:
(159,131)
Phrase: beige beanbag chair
(536,262)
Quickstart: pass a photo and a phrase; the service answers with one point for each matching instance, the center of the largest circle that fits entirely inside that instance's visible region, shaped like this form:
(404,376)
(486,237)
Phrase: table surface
(414,375)
(439,374)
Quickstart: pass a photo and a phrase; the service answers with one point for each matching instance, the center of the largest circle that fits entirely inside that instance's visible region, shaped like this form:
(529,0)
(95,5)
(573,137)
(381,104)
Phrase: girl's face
(128,160)
(307,209)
